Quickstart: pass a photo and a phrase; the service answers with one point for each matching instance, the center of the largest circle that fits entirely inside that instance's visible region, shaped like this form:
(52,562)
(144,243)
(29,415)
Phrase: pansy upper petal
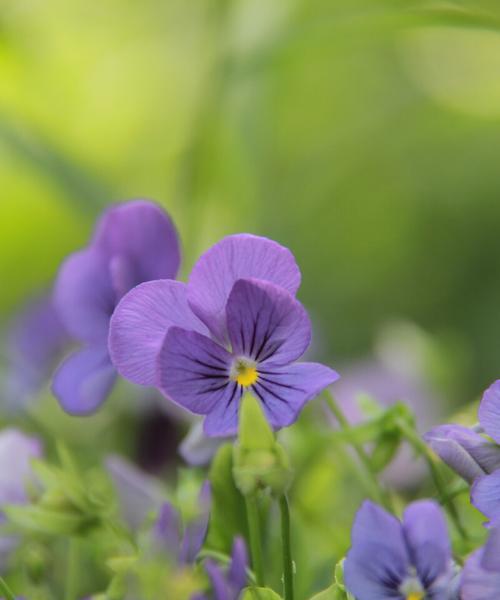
(283,390)
(266,323)
(193,371)
(237,257)
(83,381)
(84,296)
(144,236)
(139,325)
(489,411)
(485,495)
(426,535)
(378,560)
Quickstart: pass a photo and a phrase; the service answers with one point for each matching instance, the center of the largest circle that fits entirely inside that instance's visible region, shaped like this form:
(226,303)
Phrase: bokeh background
(363,134)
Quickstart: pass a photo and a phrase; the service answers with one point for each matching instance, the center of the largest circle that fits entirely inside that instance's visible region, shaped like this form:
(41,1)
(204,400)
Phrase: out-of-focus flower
(196,448)
(241,290)
(36,339)
(133,242)
(228,583)
(408,560)
(464,450)
(481,573)
(17,450)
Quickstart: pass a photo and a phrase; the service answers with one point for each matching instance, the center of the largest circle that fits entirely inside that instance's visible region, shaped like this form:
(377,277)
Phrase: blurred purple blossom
(241,291)
(228,583)
(401,560)
(133,242)
(481,573)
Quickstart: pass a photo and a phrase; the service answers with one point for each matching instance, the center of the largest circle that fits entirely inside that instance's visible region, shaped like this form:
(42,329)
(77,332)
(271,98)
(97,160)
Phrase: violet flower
(408,560)
(17,450)
(133,242)
(227,584)
(36,339)
(466,451)
(235,327)
(481,573)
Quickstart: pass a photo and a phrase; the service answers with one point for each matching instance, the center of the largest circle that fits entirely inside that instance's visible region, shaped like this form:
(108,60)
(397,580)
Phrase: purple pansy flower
(17,450)
(228,583)
(235,326)
(408,560)
(467,452)
(36,339)
(133,242)
(481,574)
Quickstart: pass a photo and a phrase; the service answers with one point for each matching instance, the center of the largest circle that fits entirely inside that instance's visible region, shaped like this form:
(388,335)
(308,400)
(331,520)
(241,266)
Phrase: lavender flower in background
(408,560)
(17,450)
(228,583)
(481,573)
(36,339)
(197,449)
(133,242)
(242,291)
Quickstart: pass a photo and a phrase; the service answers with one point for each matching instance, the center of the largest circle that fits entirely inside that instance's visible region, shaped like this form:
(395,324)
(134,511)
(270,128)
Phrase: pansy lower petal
(197,449)
(283,391)
(193,371)
(139,325)
(237,257)
(222,420)
(84,295)
(426,535)
(378,560)
(479,583)
(489,411)
(144,236)
(84,380)
(485,495)
(266,323)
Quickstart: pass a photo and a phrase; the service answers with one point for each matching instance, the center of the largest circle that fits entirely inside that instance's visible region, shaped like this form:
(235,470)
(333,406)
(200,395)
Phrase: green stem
(375,489)
(287,550)
(421,447)
(72,570)
(255,538)
(6,591)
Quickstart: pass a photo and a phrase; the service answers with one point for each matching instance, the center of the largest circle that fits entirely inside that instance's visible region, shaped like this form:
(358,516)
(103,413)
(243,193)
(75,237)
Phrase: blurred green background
(363,134)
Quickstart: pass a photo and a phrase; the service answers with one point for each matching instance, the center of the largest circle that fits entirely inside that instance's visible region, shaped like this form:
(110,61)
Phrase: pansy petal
(167,529)
(479,583)
(489,411)
(237,574)
(426,535)
(378,560)
(485,495)
(193,371)
(84,295)
(139,325)
(218,581)
(139,494)
(84,380)
(283,391)
(197,449)
(196,531)
(144,236)
(266,323)
(237,257)
(491,556)
(464,450)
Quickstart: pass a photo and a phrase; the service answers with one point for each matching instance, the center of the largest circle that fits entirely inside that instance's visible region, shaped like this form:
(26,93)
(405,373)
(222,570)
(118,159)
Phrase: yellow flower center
(415,596)
(244,372)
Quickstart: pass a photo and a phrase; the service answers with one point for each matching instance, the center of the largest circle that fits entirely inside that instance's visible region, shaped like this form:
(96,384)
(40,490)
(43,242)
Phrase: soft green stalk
(374,487)
(72,571)
(286,547)
(255,538)
(6,591)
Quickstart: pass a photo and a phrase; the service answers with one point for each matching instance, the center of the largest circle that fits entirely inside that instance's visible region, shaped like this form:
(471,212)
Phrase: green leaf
(332,593)
(43,520)
(254,593)
(228,516)
(255,432)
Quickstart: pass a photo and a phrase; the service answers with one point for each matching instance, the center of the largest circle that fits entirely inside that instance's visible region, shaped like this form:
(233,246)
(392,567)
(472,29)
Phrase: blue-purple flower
(133,242)
(481,573)
(36,339)
(408,560)
(235,327)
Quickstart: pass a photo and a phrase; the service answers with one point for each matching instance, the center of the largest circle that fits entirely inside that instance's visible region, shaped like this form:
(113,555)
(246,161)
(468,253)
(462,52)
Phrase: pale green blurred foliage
(363,134)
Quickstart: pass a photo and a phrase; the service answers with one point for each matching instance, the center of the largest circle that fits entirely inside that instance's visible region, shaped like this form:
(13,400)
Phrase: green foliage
(259,593)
